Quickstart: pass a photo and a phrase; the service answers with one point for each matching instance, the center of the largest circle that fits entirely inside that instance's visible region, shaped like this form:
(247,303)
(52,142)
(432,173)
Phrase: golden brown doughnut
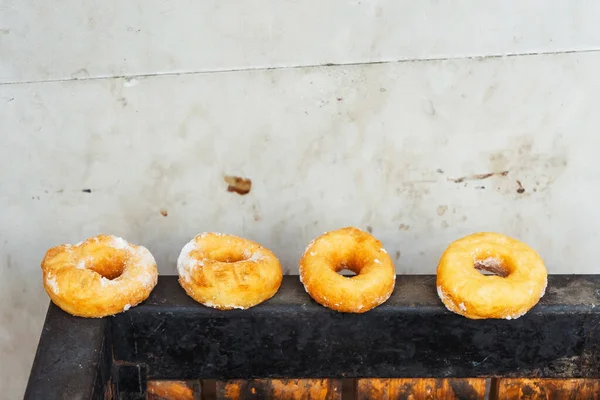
(518,284)
(358,251)
(226,272)
(100,276)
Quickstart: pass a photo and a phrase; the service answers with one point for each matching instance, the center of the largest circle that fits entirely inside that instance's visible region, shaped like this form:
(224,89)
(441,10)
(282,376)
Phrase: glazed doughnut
(518,284)
(100,276)
(353,249)
(226,272)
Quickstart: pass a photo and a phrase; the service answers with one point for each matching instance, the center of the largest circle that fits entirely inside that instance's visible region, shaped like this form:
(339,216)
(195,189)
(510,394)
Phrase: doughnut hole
(227,255)
(493,266)
(110,266)
(351,265)
(347,273)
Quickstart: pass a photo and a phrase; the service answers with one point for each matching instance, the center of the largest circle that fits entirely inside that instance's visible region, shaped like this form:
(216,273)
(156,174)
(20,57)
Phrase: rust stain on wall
(238,185)
(478,177)
(539,164)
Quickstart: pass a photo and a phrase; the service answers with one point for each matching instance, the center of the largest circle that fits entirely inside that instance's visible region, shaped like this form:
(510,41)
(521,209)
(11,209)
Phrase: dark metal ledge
(290,336)
(72,359)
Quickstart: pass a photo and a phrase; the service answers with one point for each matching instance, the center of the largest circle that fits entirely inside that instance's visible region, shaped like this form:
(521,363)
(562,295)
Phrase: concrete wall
(125,117)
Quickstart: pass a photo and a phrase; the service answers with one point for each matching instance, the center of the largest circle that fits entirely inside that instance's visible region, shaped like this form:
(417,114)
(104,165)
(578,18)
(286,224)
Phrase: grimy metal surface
(290,336)
(72,359)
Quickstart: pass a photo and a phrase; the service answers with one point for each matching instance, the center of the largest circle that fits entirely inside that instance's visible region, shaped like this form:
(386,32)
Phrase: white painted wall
(150,103)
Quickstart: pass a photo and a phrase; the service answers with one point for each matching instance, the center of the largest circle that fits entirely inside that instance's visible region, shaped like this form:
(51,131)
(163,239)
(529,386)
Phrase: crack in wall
(87,77)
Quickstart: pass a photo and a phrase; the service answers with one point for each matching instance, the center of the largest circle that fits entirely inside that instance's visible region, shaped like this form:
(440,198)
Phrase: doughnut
(353,249)
(101,276)
(518,282)
(228,272)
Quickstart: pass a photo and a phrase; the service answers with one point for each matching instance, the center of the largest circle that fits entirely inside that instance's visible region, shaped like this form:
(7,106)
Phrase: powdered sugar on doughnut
(133,268)
(145,258)
(185,262)
(302,282)
(105,281)
(544,289)
(231,306)
(309,245)
(51,281)
(515,316)
(138,255)
(255,257)
(446,300)
(148,279)
(120,243)
(233,272)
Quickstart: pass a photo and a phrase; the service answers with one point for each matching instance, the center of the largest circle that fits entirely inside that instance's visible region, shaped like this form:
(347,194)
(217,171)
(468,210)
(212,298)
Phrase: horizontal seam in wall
(307,66)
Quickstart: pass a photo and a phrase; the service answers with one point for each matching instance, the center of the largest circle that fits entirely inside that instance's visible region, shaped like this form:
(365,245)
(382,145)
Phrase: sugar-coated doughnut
(100,276)
(353,249)
(227,272)
(518,283)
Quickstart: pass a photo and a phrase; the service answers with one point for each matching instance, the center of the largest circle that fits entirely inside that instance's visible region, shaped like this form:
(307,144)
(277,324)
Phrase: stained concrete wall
(420,121)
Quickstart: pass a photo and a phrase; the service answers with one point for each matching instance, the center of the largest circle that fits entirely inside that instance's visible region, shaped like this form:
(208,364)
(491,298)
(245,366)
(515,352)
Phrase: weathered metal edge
(72,360)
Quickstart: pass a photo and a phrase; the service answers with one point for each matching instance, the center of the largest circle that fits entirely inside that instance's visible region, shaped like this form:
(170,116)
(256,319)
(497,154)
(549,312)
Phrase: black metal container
(290,336)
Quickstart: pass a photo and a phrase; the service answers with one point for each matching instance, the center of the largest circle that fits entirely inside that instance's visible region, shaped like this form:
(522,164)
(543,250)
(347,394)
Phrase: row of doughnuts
(105,275)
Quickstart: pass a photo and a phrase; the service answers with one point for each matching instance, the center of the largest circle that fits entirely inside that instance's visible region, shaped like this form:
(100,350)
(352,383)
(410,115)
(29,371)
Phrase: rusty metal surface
(173,390)
(280,389)
(545,389)
(291,337)
(418,291)
(72,360)
(421,389)
(410,336)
